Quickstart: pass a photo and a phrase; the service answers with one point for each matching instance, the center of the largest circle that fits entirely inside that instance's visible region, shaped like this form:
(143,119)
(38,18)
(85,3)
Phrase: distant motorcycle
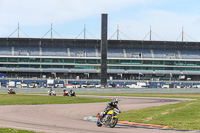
(11,91)
(65,93)
(110,119)
(52,93)
(72,93)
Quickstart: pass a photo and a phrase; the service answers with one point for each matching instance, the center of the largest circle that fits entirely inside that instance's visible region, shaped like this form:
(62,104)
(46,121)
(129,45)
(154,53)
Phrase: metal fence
(108,90)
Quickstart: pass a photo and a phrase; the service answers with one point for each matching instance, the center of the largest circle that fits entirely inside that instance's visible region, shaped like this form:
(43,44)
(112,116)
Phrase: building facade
(80,58)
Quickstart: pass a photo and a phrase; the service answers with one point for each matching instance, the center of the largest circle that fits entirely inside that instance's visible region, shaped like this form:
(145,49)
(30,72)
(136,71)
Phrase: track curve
(68,118)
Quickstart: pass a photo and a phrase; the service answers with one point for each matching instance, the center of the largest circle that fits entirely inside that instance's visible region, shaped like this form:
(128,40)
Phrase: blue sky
(134,18)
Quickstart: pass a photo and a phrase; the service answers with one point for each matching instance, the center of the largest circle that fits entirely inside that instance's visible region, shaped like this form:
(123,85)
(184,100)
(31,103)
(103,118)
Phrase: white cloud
(167,25)
(33,13)
(43,12)
(39,12)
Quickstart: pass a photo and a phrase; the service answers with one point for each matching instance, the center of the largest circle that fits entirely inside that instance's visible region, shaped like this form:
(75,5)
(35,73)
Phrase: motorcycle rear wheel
(114,122)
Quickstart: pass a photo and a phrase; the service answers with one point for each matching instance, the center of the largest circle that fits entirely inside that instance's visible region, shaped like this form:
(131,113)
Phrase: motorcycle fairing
(110,112)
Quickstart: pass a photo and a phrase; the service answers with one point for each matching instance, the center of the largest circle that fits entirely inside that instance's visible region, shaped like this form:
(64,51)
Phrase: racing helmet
(115,101)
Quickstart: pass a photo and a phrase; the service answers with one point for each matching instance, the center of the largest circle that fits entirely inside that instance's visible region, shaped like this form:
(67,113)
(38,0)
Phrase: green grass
(177,116)
(8,99)
(11,130)
(184,115)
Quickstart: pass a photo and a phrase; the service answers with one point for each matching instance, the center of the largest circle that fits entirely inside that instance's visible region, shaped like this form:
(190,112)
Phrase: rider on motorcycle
(70,92)
(9,90)
(111,106)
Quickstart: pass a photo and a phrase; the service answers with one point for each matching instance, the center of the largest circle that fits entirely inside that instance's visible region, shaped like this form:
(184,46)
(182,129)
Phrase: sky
(167,19)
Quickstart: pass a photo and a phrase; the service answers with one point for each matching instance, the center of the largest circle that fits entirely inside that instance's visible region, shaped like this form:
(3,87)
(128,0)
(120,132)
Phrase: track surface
(68,118)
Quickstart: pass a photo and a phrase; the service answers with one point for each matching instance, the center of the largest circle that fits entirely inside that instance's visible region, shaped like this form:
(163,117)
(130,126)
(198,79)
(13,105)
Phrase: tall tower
(104,48)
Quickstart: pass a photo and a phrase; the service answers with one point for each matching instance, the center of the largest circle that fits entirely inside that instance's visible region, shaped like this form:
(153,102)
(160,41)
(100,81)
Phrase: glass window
(158,62)
(34,60)
(13,59)
(47,60)
(2,59)
(191,63)
(34,66)
(113,61)
(80,61)
(125,62)
(147,62)
(169,62)
(91,61)
(23,60)
(68,60)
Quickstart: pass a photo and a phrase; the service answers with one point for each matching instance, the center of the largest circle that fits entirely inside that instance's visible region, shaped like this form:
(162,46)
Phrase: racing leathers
(110,106)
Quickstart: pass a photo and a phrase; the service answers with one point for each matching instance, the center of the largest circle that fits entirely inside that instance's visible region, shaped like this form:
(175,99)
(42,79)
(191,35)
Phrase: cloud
(133,16)
(40,12)
(37,13)
(165,25)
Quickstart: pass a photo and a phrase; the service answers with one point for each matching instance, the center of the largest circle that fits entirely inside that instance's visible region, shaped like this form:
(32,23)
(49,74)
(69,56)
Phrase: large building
(80,58)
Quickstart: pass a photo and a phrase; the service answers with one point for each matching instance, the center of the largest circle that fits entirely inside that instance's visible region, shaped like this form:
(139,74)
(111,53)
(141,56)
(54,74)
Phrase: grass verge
(11,130)
(6,99)
(10,99)
(184,115)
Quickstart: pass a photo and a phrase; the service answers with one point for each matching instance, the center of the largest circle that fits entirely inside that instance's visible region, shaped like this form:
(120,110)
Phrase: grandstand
(69,58)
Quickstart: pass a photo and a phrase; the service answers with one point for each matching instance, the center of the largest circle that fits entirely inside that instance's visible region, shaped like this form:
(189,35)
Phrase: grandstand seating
(5,50)
(115,71)
(54,70)
(96,52)
(115,52)
(166,53)
(83,70)
(126,59)
(26,51)
(138,71)
(82,52)
(138,53)
(4,69)
(191,72)
(54,51)
(190,54)
(167,71)
(26,69)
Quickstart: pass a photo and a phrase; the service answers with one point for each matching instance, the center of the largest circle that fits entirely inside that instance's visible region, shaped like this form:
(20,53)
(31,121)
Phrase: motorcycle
(72,94)
(52,93)
(65,93)
(11,91)
(110,119)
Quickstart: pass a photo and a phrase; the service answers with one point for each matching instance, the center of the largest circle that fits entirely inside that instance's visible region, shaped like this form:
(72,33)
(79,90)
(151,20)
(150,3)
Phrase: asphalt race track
(68,118)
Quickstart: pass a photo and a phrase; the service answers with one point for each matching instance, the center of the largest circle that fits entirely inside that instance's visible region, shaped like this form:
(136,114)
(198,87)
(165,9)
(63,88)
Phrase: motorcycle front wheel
(99,124)
(114,122)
